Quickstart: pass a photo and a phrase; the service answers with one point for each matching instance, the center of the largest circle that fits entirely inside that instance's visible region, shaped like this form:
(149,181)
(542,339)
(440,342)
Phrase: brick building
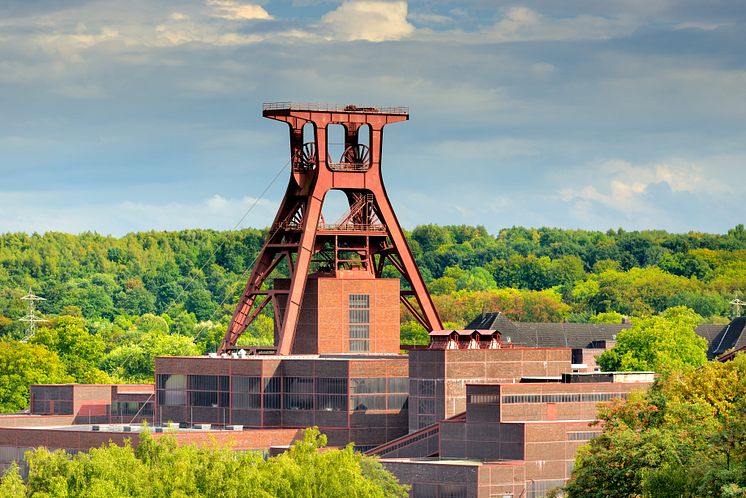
(351,398)
(513,439)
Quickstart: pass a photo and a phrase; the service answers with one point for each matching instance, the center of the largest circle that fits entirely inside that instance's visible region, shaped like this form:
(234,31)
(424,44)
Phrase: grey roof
(730,336)
(584,335)
(547,335)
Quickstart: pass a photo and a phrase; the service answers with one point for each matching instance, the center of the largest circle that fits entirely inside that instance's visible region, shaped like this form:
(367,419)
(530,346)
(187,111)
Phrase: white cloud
(524,24)
(368,20)
(425,18)
(622,186)
(236,11)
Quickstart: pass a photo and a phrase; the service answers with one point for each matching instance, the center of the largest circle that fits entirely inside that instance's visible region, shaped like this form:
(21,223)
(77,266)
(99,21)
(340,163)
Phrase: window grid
(483,399)
(379,393)
(172,389)
(359,322)
(582,436)
(563,398)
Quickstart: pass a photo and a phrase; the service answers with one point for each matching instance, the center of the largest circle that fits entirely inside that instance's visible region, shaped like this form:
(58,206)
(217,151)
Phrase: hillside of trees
(113,304)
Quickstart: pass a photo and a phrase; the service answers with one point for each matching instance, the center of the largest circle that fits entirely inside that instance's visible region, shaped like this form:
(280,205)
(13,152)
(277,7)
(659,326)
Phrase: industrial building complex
(496,409)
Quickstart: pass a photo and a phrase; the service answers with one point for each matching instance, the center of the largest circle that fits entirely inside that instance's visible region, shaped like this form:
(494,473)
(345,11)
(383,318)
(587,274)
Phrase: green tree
(658,343)
(24,364)
(607,317)
(11,484)
(79,350)
(135,361)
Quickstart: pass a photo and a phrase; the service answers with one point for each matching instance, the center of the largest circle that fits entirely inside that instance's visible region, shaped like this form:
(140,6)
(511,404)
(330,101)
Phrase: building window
(427,406)
(298,393)
(132,408)
(171,390)
(483,399)
(246,393)
(208,390)
(582,436)
(540,488)
(427,388)
(359,322)
(425,403)
(272,393)
(563,398)
(331,394)
(452,491)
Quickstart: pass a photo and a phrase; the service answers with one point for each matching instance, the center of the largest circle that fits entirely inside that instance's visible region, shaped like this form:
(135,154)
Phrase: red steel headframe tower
(362,240)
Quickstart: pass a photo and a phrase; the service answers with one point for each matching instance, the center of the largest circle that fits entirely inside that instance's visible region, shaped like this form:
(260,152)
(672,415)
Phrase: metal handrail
(345,227)
(349,166)
(350,227)
(311,106)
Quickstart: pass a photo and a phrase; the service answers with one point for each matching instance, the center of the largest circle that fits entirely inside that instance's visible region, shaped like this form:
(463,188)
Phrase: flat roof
(136,428)
(466,462)
(335,357)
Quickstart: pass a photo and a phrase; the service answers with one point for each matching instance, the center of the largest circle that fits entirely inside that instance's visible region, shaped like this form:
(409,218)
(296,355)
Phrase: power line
(31,318)
(222,244)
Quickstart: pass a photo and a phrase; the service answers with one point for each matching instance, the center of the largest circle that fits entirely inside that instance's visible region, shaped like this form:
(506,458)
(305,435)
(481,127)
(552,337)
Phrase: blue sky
(123,116)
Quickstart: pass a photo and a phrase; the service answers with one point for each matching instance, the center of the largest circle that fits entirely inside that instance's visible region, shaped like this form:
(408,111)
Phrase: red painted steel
(369,232)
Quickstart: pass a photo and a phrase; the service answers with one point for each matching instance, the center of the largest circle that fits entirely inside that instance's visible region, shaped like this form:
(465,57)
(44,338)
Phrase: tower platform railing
(311,106)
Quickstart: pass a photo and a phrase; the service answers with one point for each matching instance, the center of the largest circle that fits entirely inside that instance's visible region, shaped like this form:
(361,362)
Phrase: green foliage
(11,484)
(135,360)
(79,350)
(159,468)
(24,364)
(658,343)
(607,317)
(686,437)
(531,306)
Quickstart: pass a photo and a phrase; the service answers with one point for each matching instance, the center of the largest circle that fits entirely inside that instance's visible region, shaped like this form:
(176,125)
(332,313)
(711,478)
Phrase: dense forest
(113,304)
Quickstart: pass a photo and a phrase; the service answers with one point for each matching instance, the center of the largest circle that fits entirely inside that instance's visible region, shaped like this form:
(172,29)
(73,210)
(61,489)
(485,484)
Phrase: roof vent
(508,339)
(100,428)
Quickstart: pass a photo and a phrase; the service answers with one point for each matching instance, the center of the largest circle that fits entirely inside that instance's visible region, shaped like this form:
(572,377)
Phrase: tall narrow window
(359,322)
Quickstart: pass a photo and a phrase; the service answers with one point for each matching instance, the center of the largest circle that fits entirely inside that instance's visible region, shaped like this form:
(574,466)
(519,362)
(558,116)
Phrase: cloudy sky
(118,116)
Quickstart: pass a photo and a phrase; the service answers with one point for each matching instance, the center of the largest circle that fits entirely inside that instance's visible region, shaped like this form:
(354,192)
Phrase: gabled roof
(584,335)
(547,335)
(440,333)
(493,321)
(731,336)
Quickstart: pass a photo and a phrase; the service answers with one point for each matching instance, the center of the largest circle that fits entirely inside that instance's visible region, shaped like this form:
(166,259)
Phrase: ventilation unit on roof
(234,427)
(508,339)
